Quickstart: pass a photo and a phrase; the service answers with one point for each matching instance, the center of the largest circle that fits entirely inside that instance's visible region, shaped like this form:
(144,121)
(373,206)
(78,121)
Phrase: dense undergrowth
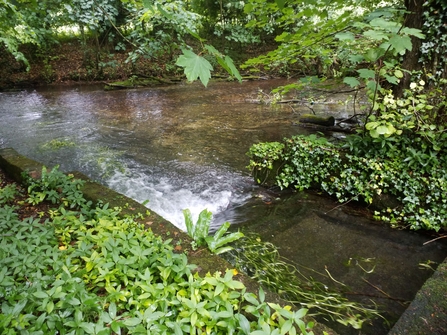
(70,268)
(416,192)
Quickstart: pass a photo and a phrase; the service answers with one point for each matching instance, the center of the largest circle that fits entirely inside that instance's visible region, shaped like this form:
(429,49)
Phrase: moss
(427,314)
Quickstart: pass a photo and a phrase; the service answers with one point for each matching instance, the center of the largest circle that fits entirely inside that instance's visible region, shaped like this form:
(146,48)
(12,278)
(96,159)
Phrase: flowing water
(178,146)
(185,146)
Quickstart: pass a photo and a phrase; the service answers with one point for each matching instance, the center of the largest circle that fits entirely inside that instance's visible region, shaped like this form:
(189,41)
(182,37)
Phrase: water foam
(185,186)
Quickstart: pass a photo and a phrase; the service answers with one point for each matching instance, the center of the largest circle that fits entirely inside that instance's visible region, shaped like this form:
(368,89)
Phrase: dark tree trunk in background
(413,19)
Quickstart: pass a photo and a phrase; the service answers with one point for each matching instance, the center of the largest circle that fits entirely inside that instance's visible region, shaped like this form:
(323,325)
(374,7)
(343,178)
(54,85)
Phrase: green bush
(351,172)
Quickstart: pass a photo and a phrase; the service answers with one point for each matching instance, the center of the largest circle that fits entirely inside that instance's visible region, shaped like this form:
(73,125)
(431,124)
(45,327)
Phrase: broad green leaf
(19,306)
(384,24)
(195,66)
(112,310)
(372,125)
(222,250)
(300,314)
(280,3)
(351,81)
(132,322)
(401,43)
(377,35)
(398,74)
(374,133)
(190,228)
(50,307)
(382,130)
(392,79)
(373,54)
(285,328)
(414,32)
(356,58)
(40,294)
(345,36)
(366,73)
(372,85)
(203,224)
(243,323)
(261,294)
(231,68)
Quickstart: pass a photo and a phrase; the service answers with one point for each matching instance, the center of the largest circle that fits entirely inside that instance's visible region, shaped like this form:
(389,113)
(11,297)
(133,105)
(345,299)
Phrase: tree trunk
(413,19)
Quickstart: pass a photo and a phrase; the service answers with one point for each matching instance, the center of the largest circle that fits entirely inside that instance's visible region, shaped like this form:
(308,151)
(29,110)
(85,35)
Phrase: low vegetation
(70,268)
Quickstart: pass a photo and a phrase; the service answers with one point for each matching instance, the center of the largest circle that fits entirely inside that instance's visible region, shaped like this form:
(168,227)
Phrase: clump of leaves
(217,243)
(56,187)
(8,193)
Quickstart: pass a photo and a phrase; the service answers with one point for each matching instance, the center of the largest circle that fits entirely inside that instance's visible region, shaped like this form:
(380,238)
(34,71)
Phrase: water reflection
(177,146)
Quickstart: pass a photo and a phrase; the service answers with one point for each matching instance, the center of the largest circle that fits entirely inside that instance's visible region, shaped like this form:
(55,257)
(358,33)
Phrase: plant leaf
(195,66)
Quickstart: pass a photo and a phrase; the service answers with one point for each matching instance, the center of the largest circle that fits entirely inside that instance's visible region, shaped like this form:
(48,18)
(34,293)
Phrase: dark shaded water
(184,147)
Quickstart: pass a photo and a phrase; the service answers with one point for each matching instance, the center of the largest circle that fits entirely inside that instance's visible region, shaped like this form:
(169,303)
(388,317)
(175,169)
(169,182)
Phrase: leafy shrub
(352,172)
(217,243)
(56,187)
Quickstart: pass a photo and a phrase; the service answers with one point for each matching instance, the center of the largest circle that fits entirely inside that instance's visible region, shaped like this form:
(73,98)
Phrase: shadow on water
(380,265)
(185,147)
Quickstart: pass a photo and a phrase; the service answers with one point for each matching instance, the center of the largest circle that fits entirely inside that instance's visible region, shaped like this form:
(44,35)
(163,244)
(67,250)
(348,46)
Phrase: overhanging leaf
(374,54)
(280,3)
(366,73)
(376,35)
(345,36)
(351,81)
(195,66)
(401,43)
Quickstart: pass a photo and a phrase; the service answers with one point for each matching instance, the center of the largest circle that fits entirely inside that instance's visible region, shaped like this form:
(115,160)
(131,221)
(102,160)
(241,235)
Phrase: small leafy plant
(56,187)
(199,232)
(8,193)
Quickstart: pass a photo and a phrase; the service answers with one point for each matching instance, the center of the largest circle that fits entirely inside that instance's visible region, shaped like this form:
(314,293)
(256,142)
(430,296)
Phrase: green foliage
(94,271)
(199,232)
(8,193)
(378,65)
(197,67)
(303,161)
(56,187)
(408,170)
(306,161)
(434,47)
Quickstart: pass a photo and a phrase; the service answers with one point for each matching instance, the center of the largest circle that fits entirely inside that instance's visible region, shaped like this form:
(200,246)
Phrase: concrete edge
(427,313)
(15,165)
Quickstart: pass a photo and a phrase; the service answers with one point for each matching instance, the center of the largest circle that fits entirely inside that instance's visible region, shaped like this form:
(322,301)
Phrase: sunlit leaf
(401,43)
(195,66)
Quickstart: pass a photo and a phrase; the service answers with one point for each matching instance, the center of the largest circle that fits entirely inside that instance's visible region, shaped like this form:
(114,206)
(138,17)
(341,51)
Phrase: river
(184,146)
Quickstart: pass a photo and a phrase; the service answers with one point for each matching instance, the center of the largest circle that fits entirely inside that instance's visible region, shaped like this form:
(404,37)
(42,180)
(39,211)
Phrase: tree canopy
(314,37)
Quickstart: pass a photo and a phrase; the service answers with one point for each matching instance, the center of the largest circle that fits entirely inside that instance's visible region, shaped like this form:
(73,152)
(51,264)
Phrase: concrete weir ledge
(426,315)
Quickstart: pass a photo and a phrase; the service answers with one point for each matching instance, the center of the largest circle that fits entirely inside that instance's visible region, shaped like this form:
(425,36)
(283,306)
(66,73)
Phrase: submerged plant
(262,261)
(199,232)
